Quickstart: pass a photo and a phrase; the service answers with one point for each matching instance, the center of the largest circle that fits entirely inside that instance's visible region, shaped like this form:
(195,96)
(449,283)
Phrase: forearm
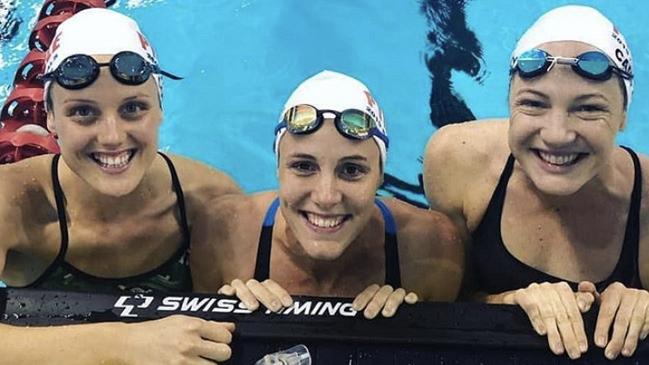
(73,345)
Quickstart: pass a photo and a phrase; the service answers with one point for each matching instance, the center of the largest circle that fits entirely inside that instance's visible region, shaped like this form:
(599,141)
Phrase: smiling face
(108,131)
(562,126)
(327,189)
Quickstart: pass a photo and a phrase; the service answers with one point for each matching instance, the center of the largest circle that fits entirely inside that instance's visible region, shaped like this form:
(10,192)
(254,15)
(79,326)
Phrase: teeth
(111,160)
(324,222)
(558,159)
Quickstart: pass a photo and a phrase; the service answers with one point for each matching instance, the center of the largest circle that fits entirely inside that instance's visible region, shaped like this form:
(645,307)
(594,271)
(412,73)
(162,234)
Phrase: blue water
(241,59)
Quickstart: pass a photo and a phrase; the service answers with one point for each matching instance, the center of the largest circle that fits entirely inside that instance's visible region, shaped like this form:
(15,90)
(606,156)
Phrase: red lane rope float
(23,120)
(29,70)
(56,7)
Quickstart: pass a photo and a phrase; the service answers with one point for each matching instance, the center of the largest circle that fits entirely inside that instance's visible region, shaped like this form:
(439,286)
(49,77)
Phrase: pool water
(241,59)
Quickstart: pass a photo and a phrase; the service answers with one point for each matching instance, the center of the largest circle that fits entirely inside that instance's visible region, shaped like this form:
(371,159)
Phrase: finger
(569,302)
(584,301)
(411,298)
(215,351)
(587,287)
(525,299)
(245,295)
(567,338)
(377,302)
(393,302)
(621,325)
(227,290)
(279,292)
(361,300)
(610,301)
(645,327)
(268,299)
(216,332)
(230,326)
(637,321)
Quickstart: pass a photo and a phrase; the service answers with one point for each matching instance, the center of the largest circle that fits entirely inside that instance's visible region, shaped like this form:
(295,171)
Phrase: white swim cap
(582,24)
(336,91)
(98,31)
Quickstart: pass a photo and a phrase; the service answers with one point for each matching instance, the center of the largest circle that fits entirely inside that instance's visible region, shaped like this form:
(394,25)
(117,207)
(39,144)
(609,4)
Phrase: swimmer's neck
(323,276)
(79,194)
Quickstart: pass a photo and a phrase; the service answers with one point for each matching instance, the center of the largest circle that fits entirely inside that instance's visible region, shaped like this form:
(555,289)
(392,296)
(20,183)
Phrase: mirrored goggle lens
(531,62)
(594,64)
(356,123)
(301,118)
(130,68)
(77,71)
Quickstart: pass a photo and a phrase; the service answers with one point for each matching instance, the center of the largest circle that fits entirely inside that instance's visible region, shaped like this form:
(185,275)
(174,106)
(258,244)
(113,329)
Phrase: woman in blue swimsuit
(324,233)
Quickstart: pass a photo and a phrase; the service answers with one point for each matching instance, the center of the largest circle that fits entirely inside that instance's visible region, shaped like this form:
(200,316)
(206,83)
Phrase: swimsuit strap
(392,268)
(175,181)
(262,266)
(59,198)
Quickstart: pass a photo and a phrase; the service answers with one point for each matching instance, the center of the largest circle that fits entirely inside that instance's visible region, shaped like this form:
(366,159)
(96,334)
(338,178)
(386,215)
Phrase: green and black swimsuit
(172,276)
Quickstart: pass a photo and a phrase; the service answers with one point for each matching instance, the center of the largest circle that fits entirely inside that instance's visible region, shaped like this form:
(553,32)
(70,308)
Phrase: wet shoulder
(201,179)
(469,142)
(26,198)
(422,227)
(239,213)
(459,154)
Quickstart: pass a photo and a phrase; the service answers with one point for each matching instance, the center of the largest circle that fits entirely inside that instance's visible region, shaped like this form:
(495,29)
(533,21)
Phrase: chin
(558,186)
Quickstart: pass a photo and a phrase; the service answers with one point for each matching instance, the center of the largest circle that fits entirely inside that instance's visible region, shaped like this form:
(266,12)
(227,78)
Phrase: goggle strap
(168,74)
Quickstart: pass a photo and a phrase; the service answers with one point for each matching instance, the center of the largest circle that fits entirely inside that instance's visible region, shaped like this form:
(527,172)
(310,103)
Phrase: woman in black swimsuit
(324,233)
(108,214)
(551,206)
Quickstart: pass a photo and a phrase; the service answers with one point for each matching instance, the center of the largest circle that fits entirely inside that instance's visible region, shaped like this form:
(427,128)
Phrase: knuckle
(562,318)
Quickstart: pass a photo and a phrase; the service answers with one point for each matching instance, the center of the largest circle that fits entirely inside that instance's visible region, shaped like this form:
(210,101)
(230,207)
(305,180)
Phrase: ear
(50,122)
(624,120)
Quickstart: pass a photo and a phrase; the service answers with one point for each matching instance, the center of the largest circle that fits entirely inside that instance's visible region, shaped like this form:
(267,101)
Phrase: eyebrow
(302,155)
(532,91)
(138,95)
(75,100)
(345,158)
(354,158)
(589,96)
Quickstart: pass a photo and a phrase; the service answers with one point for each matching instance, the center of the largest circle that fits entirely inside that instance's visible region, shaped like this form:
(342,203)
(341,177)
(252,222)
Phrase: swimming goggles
(592,65)
(351,123)
(79,71)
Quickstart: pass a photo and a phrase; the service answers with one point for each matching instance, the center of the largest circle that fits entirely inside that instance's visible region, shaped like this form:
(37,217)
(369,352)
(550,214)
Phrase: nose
(111,131)
(558,130)
(326,193)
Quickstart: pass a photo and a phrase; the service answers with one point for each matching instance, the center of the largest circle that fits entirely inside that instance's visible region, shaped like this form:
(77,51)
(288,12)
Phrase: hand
(374,298)
(626,309)
(268,292)
(554,310)
(177,339)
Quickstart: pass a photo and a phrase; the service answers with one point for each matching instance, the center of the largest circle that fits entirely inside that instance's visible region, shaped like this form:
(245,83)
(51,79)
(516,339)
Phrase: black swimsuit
(392,271)
(497,270)
(172,276)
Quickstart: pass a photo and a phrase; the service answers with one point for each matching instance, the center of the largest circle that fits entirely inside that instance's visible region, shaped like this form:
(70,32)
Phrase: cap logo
(370,98)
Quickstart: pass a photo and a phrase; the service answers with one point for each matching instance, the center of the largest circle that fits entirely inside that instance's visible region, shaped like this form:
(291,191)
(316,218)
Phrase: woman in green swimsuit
(109,214)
